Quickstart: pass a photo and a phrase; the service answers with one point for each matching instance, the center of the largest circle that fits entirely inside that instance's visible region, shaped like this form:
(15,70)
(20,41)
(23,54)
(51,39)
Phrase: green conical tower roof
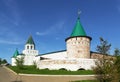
(30,41)
(78,29)
(15,54)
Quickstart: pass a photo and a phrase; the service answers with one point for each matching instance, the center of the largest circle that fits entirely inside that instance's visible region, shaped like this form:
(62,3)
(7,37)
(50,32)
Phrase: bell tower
(30,52)
(30,45)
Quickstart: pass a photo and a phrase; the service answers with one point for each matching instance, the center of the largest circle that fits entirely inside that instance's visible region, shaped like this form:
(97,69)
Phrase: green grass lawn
(33,70)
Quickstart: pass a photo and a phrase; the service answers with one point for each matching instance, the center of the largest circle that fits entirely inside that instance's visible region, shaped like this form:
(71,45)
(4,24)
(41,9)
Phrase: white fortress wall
(69,64)
(14,60)
(56,55)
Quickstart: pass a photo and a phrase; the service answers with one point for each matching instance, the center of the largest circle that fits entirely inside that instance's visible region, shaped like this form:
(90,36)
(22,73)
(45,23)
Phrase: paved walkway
(8,76)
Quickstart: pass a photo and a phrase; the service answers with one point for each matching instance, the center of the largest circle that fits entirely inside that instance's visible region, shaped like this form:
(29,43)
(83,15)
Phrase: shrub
(46,69)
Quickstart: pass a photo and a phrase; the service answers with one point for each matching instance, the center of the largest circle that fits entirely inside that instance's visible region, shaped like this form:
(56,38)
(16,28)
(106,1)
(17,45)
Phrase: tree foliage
(104,70)
(108,67)
(104,47)
(104,66)
(116,52)
(117,65)
(0,61)
(3,61)
(19,62)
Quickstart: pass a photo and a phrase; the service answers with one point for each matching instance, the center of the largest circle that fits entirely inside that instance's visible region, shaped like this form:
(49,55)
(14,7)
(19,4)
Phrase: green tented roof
(30,40)
(78,29)
(15,54)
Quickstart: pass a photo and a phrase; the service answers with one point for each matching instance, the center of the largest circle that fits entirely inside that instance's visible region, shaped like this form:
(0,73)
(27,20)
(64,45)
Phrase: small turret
(15,54)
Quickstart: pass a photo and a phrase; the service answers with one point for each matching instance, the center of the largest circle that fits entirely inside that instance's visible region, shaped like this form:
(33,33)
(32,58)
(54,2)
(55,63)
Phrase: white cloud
(14,15)
(10,42)
(41,34)
(10,18)
(57,38)
(119,8)
(53,29)
(7,36)
(118,5)
(37,33)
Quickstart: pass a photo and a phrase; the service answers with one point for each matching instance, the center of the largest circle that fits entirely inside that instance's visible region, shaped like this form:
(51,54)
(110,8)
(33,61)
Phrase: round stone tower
(78,44)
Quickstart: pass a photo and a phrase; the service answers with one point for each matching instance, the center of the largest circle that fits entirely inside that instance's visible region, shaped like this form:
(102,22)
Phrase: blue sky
(50,22)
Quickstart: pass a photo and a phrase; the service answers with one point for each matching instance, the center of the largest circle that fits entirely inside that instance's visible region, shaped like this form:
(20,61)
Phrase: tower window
(27,47)
(76,38)
(31,47)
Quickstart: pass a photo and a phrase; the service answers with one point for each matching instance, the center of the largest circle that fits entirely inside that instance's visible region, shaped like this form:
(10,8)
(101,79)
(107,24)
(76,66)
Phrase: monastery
(76,56)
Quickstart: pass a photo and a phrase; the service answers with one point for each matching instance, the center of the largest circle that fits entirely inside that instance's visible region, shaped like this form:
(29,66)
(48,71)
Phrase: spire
(79,12)
(78,29)
(16,53)
(30,40)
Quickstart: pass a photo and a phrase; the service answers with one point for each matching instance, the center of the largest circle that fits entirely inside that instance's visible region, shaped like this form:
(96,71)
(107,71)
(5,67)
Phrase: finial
(79,12)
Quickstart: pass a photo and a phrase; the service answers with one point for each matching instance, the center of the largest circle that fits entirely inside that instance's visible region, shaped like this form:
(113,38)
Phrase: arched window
(31,47)
(27,47)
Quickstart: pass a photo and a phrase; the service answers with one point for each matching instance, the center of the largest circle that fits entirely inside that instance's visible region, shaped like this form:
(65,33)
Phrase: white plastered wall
(57,55)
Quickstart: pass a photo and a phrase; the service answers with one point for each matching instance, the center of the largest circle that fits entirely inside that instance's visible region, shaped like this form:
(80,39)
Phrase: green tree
(0,61)
(104,66)
(4,61)
(104,47)
(20,66)
(116,52)
(34,64)
(117,65)
(19,62)
(104,70)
